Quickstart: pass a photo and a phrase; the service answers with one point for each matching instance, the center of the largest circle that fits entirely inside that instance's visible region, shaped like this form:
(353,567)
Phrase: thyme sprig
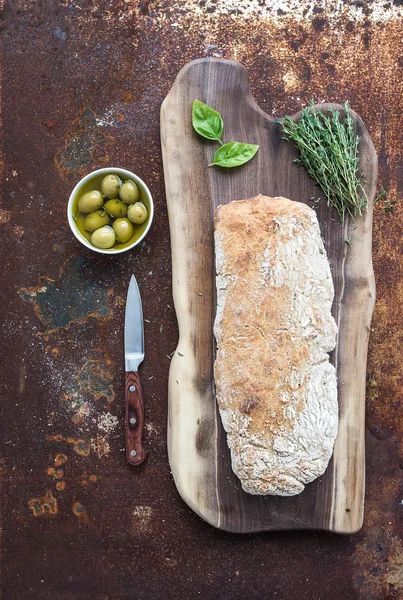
(328,147)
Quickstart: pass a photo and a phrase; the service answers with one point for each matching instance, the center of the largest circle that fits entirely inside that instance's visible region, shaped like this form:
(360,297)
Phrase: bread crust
(275,387)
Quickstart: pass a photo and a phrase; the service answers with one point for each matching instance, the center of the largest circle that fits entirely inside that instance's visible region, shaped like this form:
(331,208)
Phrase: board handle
(134,419)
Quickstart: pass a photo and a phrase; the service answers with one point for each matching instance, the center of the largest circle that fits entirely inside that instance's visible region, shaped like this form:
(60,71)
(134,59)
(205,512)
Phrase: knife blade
(134,355)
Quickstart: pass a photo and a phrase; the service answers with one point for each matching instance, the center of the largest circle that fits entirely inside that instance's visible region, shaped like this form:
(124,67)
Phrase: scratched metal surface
(82,83)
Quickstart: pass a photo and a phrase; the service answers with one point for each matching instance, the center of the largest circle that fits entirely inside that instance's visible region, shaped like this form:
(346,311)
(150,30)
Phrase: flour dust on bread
(275,387)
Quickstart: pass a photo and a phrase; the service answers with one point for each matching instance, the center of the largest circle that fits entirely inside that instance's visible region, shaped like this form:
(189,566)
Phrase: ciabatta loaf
(275,386)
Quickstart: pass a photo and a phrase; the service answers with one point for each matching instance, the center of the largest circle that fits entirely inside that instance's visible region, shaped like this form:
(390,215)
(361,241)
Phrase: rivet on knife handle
(134,420)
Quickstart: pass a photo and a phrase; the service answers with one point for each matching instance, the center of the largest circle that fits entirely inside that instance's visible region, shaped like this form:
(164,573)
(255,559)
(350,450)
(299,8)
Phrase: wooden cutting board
(198,452)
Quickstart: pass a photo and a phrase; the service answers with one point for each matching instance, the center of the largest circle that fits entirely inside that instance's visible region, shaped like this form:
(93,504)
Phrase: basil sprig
(207,121)
(234,154)
(209,124)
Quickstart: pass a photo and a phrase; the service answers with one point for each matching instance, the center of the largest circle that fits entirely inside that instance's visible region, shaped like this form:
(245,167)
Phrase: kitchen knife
(134,355)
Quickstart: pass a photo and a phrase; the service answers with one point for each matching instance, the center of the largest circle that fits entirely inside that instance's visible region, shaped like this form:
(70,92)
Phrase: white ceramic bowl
(123,174)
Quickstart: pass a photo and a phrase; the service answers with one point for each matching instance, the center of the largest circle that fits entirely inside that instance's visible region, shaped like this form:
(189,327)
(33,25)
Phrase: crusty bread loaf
(275,387)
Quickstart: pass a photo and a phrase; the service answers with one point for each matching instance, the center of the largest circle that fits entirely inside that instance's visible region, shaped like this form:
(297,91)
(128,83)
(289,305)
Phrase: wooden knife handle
(134,420)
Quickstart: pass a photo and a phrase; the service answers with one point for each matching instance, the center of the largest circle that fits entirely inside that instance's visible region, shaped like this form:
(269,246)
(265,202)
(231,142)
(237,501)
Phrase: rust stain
(45,505)
(5,216)
(80,388)
(128,96)
(60,486)
(82,448)
(89,479)
(379,557)
(18,231)
(51,418)
(74,297)
(95,377)
(56,473)
(49,123)
(55,438)
(60,459)
(80,512)
(384,401)
(85,147)
(93,381)
(79,446)
(394,576)
(58,241)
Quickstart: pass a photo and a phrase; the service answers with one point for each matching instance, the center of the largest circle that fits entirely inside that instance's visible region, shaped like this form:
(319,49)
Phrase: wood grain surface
(198,452)
(134,419)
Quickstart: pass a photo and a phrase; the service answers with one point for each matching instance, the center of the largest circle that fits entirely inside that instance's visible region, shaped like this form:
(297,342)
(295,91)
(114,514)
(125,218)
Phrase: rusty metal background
(82,83)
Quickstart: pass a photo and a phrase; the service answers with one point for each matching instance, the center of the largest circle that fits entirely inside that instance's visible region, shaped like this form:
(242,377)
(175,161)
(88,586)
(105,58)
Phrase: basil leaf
(207,121)
(234,154)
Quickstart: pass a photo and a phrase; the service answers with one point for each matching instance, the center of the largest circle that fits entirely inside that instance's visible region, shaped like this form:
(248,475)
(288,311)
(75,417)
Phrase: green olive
(129,192)
(137,213)
(110,185)
(103,238)
(123,229)
(95,220)
(90,201)
(116,208)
